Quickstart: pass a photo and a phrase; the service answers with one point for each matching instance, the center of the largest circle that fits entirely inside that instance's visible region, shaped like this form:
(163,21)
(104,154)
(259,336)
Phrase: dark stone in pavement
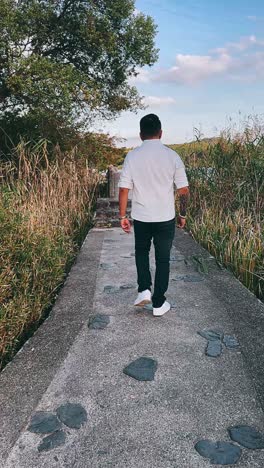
(111,289)
(125,256)
(193,278)
(142,369)
(106,266)
(128,286)
(178,278)
(99,322)
(214,349)
(211,335)
(72,415)
(247,436)
(230,342)
(54,440)
(43,423)
(177,258)
(219,453)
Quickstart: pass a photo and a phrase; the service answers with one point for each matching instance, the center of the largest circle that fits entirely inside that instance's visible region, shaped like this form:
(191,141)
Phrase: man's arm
(125,184)
(123,198)
(184,195)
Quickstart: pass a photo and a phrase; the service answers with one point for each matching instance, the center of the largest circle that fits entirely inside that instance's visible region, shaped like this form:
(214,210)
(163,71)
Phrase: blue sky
(210,68)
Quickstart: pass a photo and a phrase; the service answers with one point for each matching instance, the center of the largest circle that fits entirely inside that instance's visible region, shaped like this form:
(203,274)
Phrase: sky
(210,70)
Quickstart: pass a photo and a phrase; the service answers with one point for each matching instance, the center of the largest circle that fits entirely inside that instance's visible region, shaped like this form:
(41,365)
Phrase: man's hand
(125,225)
(123,198)
(181,222)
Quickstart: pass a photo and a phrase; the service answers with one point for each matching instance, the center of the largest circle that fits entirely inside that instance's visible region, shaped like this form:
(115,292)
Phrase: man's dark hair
(150,126)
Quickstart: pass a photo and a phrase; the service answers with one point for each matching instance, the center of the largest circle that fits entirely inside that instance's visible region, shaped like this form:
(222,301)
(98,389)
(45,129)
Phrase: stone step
(109,213)
(109,203)
(107,223)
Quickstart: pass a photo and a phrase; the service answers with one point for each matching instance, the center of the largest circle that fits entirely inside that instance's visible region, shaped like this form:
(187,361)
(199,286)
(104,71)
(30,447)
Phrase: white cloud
(241,60)
(193,68)
(234,61)
(243,44)
(156,101)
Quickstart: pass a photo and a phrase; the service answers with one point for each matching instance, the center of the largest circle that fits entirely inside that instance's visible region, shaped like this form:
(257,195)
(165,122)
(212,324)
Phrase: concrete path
(131,423)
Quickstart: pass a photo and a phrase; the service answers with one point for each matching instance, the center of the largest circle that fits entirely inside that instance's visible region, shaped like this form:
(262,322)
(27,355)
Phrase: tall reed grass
(227,201)
(45,212)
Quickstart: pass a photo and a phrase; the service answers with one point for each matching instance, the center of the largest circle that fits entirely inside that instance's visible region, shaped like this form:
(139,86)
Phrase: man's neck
(151,139)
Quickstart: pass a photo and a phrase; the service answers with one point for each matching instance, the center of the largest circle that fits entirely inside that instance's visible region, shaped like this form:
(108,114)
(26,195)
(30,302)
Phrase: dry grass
(227,201)
(236,241)
(45,211)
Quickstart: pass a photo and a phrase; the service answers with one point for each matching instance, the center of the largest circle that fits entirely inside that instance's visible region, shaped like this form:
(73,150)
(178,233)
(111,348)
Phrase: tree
(65,62)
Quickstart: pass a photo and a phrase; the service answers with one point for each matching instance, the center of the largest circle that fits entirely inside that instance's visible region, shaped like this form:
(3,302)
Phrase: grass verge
(45,212)
(226,178)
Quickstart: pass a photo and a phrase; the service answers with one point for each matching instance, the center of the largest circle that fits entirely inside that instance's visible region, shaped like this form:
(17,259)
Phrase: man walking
(151,171)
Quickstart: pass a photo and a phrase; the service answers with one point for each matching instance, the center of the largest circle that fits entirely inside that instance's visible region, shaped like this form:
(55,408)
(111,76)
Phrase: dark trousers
(162,234)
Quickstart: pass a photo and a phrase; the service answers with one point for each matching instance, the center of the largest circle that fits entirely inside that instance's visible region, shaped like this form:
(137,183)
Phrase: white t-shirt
(151,171)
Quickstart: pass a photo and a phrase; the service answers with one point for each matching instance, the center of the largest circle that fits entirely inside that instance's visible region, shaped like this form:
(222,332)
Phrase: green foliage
(98,149)
(64,62)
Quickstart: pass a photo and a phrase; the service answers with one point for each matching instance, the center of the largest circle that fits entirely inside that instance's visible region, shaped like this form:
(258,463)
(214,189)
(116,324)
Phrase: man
(151,171)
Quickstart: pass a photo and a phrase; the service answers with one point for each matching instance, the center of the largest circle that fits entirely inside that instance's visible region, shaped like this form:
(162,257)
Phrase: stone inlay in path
(247,436)
(142,369)
(177,258)
(99,322)
(211,335)
(109,289)
(189,278)
(214,348)
(178,278)
(43,423)
(52,441)
(128,286)
(107,266)
(72,415)
(219,453)
(193,278)
(214,342)
(230,342)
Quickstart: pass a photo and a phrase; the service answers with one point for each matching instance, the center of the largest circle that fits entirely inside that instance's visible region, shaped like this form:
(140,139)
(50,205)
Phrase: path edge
(26,378)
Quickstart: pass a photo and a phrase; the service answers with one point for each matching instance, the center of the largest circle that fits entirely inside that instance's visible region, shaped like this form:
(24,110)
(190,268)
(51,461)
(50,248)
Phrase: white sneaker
(143,298)
(159,311)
